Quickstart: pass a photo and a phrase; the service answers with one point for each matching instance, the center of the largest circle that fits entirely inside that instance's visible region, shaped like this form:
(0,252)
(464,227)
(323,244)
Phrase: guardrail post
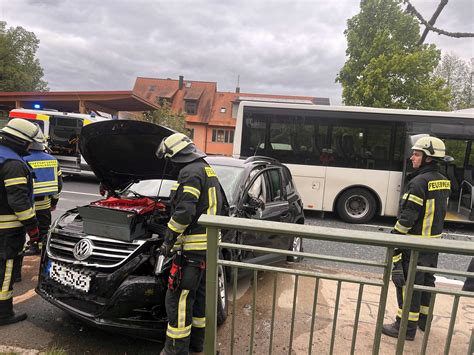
(383,300)
(407,301)
(211,291)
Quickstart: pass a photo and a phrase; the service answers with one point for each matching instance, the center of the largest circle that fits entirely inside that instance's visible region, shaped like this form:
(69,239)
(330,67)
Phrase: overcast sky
(278,47)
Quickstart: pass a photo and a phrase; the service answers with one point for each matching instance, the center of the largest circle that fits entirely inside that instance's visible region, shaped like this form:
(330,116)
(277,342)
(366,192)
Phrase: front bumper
(117,302)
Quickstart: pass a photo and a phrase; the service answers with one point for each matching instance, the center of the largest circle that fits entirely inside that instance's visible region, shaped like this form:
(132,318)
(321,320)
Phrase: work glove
(34,235)
(165,249)
(398,276)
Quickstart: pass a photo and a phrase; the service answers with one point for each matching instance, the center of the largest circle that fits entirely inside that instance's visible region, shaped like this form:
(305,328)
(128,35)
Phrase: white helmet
(431,146)
(179,148)
(23,129)
(40,141)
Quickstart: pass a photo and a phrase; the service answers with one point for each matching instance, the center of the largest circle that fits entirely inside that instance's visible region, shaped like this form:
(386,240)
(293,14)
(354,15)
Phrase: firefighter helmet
(179,149)
(40,141)
(23,129)
(431,146)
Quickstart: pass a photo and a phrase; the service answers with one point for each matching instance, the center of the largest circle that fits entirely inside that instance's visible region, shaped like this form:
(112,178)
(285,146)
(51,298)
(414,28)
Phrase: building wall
(217,148)
(199,137)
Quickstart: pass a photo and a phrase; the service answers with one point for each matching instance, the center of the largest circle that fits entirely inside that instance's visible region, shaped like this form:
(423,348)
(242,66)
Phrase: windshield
(149,188)
(229,177)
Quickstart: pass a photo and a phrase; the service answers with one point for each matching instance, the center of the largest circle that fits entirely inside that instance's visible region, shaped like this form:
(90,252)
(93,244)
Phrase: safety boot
(393,329)
(33,249)
(422,322)
(13,318)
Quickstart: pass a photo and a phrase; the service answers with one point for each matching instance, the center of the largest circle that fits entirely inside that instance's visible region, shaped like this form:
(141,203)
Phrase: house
(210,114)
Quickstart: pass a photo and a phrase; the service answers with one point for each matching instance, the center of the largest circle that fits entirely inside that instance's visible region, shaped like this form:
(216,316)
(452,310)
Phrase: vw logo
(83,249)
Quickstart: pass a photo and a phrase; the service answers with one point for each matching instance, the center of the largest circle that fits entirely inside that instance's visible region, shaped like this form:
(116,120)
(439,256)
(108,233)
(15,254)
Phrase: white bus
(353,160)
(62,130)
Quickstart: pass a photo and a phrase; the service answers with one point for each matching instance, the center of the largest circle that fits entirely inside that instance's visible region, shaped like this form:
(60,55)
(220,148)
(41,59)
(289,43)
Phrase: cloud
(276,46)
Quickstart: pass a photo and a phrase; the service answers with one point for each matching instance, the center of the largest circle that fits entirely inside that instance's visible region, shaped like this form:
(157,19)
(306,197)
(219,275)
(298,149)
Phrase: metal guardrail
(389,241)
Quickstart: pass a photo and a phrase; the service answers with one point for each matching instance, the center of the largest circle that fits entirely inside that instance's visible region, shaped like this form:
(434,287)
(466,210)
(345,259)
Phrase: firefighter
(197,192)
(17,214)
(422,212)
(46,188)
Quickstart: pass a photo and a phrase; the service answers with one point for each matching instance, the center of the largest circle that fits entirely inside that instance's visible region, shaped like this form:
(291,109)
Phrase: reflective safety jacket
(47,179)
(196,192)
(423,206)
(16,192)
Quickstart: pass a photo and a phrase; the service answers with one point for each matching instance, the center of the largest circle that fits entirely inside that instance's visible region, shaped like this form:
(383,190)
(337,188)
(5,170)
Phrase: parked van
(62,130)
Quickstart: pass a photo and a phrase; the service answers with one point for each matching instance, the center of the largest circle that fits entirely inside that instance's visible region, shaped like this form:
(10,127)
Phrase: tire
(356,206)
(297,246)
(222,303)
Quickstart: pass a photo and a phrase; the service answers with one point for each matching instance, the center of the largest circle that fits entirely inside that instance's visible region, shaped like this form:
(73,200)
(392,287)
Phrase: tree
(20,70)
(385,66)
(165,116)
(458,77)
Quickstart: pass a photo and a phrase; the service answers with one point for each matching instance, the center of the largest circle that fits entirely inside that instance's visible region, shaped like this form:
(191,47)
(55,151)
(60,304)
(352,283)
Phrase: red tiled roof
(192,90)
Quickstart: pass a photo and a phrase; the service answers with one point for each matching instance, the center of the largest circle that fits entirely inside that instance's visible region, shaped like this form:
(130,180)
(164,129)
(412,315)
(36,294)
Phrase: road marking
(24,297)
(80,193)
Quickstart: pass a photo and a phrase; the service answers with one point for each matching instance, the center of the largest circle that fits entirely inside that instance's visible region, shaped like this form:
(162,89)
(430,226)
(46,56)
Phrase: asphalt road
(48,328)
(79,191)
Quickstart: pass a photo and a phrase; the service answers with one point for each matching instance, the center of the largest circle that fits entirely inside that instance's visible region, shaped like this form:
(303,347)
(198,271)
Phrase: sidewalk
(324,318)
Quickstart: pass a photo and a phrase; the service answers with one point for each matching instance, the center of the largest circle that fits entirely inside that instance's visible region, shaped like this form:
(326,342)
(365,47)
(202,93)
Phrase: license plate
(69,277)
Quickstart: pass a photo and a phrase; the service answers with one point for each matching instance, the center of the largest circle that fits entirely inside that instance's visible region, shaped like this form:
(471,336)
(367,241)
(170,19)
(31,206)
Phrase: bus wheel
(356,206)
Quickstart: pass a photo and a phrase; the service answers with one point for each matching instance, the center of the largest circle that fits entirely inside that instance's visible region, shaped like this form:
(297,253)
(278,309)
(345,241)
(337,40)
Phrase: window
(162,101)
(223,135)
(190,106)
(274,181)
(223,110)
(290,189)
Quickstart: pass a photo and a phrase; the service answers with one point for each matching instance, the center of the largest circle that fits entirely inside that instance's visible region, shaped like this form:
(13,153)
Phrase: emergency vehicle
(62,131)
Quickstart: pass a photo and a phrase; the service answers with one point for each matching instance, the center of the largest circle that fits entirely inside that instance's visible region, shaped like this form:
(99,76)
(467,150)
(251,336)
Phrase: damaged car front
(100,262)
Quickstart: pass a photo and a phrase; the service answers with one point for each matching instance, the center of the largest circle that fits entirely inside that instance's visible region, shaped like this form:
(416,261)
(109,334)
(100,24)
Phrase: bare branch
(432,21)
(411,9)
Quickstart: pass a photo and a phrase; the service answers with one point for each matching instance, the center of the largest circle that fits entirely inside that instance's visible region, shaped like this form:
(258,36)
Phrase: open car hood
(120,152)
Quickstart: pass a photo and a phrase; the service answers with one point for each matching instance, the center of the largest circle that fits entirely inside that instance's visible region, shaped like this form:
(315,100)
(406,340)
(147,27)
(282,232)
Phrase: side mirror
(249,208)
(253,204)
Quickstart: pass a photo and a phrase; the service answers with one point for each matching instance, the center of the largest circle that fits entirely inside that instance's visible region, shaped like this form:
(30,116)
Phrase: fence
(388,241)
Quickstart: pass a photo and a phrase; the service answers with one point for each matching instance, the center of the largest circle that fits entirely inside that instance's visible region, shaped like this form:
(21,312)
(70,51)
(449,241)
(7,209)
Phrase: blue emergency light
(37,106)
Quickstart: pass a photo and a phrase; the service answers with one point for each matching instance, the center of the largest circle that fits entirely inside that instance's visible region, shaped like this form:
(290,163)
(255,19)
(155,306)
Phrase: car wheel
(222,304)
(296,246)
(356,206)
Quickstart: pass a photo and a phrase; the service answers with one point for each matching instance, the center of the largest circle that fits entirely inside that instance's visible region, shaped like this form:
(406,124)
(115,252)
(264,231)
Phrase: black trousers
(420,300)
(186,308)
(44,222)
(11,243)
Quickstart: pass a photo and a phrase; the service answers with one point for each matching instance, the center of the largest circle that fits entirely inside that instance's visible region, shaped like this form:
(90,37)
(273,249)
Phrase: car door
(254,199)
(276,207)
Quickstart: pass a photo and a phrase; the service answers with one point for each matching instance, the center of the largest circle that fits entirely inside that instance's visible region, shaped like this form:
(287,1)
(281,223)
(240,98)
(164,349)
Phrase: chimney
(181,82)
(237,88)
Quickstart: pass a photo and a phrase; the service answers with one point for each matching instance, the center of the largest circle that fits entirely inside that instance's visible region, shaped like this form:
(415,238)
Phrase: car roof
(252,161)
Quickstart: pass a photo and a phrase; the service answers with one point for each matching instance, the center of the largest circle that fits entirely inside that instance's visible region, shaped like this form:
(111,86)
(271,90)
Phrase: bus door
(459,172)
(64,142)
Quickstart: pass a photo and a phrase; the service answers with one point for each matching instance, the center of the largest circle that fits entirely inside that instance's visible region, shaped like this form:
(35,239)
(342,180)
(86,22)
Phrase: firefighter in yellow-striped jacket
(197,192)
(422,213)
(46,188)
(17,215)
